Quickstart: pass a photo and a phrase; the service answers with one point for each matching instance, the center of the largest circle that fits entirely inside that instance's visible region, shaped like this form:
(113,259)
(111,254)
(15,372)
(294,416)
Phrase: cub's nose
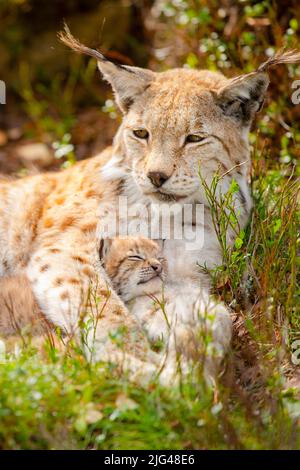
(156,266)
(157,178)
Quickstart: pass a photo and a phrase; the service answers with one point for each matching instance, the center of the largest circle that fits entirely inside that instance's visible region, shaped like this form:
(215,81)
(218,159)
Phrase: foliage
(60,401)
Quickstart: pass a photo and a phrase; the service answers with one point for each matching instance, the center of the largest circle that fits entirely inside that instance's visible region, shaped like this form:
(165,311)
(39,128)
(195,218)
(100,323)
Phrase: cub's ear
(104,248)
(243,97)
(127,82)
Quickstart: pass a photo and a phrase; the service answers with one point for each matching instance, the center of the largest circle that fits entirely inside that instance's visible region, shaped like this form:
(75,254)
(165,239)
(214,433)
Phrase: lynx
(173,122)
(135,267)
(138,272)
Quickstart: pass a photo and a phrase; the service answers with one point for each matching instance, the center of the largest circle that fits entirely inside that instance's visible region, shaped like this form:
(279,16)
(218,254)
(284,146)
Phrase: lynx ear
(127,82)
(243,97)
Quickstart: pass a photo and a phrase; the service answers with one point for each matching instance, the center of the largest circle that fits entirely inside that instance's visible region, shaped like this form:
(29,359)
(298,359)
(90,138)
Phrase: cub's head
(180,121)
(134,265)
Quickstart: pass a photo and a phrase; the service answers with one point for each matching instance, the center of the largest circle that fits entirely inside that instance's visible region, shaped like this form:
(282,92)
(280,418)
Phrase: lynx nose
(157,178)
(156,266)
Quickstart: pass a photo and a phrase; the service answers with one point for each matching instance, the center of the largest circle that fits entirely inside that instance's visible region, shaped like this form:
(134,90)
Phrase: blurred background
(58,110)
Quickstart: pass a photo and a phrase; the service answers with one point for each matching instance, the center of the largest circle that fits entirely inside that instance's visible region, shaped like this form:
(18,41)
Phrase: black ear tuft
(101,249)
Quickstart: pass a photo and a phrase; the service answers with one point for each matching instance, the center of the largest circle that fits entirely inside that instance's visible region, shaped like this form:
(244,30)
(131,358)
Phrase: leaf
(238,243)
(80,425)
(124,403)
(192,60)
(223,281)
(276,226)
(93,416)
(234,187)
(216,408)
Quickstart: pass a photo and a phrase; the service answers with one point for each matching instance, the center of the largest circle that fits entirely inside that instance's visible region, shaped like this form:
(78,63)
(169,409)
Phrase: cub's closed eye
(135,258)
(193,138)
(141,133)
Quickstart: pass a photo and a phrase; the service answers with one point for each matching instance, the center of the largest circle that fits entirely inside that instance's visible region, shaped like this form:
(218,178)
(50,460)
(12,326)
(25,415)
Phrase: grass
(52,399)
(60,401)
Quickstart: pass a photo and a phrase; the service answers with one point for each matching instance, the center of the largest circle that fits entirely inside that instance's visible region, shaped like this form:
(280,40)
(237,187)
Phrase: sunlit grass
(54,401)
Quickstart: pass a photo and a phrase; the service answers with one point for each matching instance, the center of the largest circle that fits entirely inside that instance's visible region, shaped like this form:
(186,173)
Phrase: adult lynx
(172,121)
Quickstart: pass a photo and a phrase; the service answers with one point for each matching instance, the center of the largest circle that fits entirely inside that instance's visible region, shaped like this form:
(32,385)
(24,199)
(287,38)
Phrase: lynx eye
(141,133)
(193,138)
(135,258)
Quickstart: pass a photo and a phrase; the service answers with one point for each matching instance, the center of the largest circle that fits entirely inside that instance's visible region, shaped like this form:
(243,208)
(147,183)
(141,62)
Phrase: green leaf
(234,187)
(192,60)
(276,226)
(294,24)
(238,243)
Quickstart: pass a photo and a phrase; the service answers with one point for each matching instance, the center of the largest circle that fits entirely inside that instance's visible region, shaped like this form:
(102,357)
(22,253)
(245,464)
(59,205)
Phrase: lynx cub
(137,271)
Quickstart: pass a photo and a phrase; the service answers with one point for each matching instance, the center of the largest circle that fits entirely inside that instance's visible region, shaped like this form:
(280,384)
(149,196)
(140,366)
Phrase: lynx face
(182,122)
(135,266)
(171,131)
